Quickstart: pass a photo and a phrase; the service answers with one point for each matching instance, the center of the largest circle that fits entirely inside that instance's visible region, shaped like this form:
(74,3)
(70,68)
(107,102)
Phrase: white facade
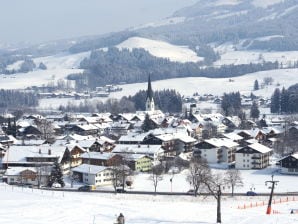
(150,106)
(254,156)
(95,175)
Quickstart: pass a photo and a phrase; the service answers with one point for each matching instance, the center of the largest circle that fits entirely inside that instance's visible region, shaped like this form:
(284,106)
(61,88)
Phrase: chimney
(39,151)
(50,152)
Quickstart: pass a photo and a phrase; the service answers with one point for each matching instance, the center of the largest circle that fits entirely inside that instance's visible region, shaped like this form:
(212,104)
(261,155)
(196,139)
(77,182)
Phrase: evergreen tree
(284,101)
(254,110)
(148,124)
(56,175)
(231,103)
(42,66)
(275,101)
(256,85)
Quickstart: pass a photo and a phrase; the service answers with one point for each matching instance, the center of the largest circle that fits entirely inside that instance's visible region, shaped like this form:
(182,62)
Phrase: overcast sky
(41,20)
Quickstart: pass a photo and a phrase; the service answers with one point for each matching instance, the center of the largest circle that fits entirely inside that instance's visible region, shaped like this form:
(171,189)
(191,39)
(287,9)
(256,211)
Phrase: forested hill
(115,66)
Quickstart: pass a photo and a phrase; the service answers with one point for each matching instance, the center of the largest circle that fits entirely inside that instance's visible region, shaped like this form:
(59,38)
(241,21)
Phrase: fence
(264,203)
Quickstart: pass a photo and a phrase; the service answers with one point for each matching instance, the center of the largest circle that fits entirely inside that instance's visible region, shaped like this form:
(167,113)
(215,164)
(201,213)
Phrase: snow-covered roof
(138,149)
(133,137)
(90,169)
(87,127)
(13,171)
(219,142)
(184,138)
(106,139)
(233,136)
(98,155)
(18,154)
(75,137)
(135,157)
(260,148)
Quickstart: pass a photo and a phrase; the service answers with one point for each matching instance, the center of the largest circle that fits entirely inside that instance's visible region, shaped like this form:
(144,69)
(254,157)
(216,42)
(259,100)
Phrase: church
(154,114)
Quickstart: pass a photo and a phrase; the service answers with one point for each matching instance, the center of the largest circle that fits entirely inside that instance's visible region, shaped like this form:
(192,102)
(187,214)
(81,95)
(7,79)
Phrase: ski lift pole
(273,183)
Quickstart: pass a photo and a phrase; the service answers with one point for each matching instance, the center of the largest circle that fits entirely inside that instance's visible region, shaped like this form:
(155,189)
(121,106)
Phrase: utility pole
(273,183)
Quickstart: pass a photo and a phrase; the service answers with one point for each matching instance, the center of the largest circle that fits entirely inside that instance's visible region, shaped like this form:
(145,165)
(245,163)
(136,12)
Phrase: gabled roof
(294,155)
(260,148)
(138,149)
(76,137)
(220,142)
(87,127)
(98,155)
(90,169)
(13,171)
(255,148)
(233,136)
(136,157)
(18,154)
(133,137)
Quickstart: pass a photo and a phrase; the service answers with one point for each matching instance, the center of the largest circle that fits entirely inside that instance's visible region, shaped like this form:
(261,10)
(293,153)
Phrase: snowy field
(252,180)
(189,86)
(32,206)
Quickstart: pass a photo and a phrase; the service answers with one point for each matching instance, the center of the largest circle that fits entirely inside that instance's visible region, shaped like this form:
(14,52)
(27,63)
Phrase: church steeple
(149,99)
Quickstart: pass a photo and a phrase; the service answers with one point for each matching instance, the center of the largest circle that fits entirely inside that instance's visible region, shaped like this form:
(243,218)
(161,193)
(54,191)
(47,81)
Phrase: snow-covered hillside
(244,84)
(230,56)
(163,22)
(162,49)
(63,60)
(58,67)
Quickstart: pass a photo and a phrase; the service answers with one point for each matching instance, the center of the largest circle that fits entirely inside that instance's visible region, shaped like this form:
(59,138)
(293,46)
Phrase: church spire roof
(149,90)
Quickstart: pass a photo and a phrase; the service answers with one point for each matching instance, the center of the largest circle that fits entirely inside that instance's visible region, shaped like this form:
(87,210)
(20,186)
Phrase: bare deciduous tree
(268,81)
(46,128)
(120,171)
(233,178)
(156,175)
(199,172)
(215,183)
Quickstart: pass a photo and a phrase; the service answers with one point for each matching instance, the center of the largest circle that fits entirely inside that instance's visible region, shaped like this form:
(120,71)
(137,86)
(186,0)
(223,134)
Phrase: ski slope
(161,49)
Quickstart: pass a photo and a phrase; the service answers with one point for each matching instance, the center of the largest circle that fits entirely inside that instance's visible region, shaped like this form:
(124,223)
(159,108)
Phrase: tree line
(17,99)
(285,100)
(165,100)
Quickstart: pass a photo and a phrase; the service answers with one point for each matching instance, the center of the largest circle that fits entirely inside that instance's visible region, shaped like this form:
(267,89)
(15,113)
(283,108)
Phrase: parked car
(120,190)
(56,185)
(86,188)
(251,193)
(191,192)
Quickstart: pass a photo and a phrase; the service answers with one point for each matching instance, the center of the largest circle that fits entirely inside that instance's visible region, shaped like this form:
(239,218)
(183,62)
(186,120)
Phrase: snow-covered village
(149,112)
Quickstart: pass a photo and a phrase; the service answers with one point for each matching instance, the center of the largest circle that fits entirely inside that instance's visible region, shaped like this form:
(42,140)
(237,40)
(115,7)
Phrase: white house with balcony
(93,175)
(217,150)
(253,156)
